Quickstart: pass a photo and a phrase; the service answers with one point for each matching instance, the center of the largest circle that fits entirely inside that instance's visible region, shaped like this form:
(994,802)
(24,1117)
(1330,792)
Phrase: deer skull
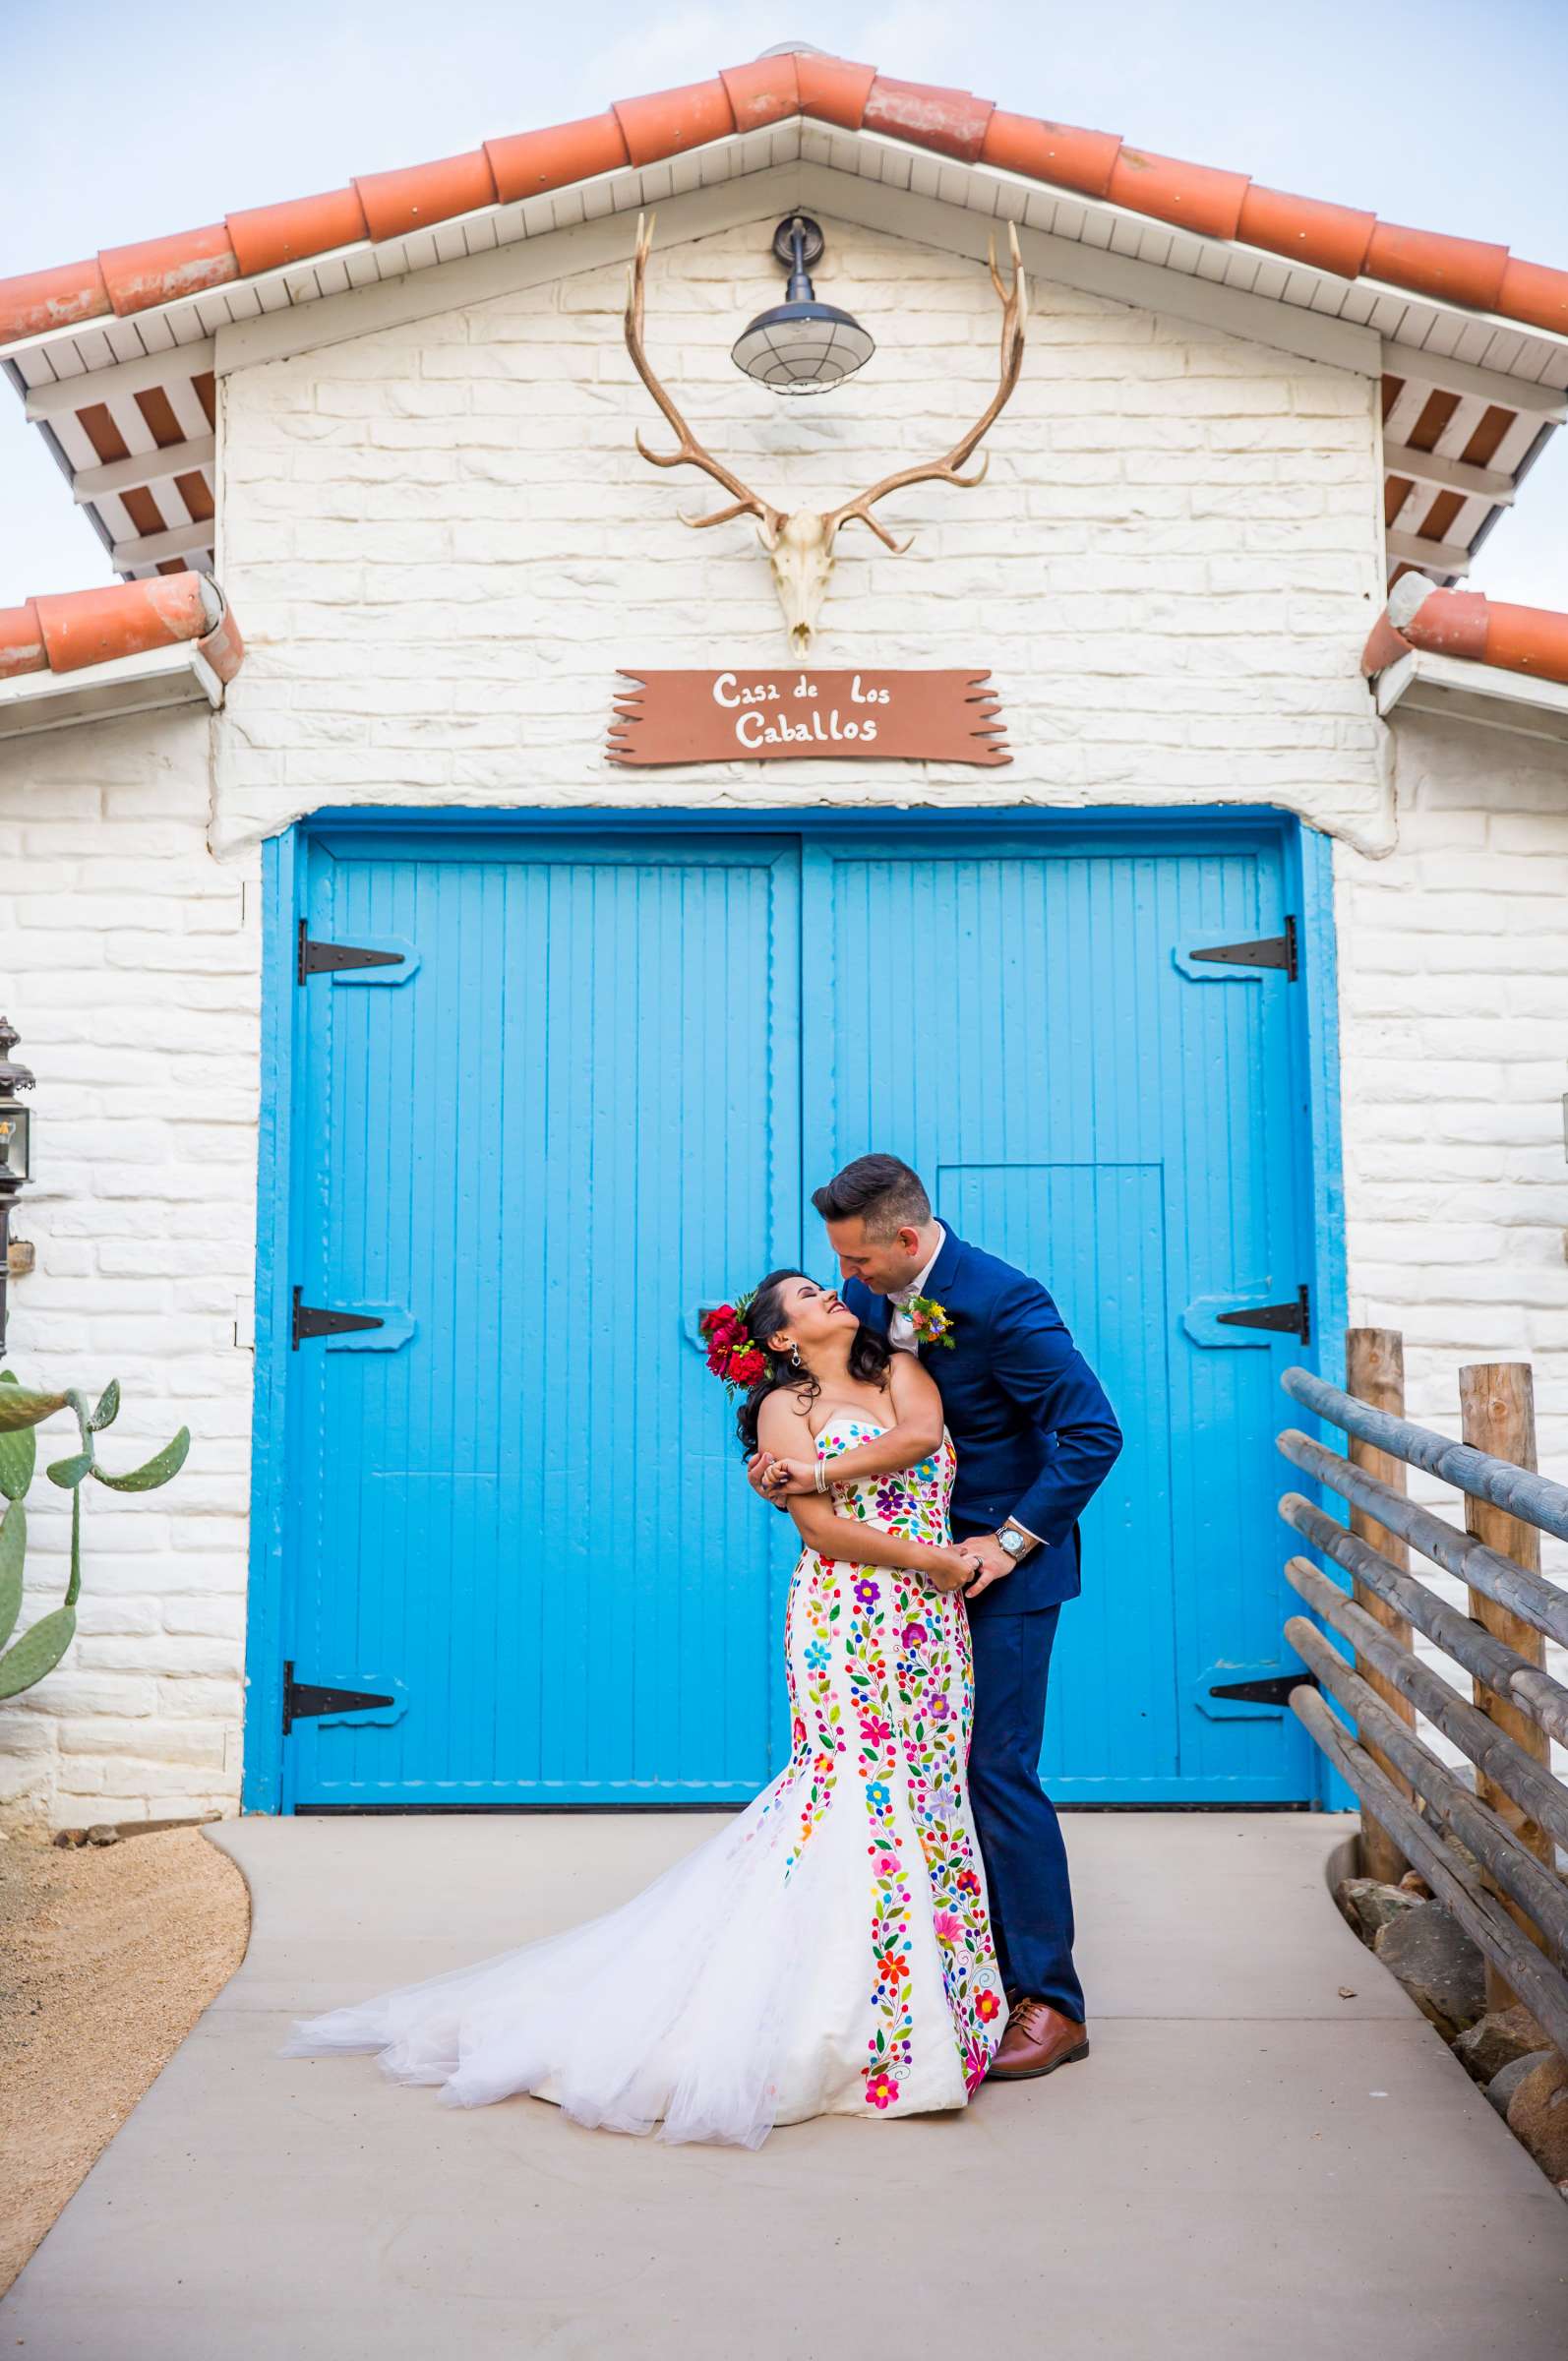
(800,547)
(800,551)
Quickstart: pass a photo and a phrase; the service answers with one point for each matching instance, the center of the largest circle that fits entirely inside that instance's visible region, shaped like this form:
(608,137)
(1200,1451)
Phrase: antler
(743,502)
(1014,301)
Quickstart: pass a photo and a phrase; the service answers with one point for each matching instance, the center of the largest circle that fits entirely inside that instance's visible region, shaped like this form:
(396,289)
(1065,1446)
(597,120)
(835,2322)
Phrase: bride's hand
(951,1569)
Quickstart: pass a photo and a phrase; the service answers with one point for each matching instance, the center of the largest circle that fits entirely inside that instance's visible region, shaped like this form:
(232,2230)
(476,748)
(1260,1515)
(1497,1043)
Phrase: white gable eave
(1092,245)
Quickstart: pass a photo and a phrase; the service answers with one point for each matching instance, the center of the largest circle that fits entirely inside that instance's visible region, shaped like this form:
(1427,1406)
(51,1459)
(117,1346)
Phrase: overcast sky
(126,123)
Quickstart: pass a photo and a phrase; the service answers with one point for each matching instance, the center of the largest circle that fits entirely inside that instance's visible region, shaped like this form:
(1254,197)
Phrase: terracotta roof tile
(952,122)
(39,300)
(1082,160)
(531,162)
(1304,230)
(1469,625)
(1536,293)
(22,647)
(268,235)
(1193,196)
(832,91)
(395,203)
(829,89)
(158,270)
(672,121)
(1454,270)
(73,630)
(766,91)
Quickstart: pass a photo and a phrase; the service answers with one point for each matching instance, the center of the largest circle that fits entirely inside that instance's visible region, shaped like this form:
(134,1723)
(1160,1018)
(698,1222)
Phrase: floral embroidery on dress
(919,1717)
(814,1762)
(891,2042)
(926,1676)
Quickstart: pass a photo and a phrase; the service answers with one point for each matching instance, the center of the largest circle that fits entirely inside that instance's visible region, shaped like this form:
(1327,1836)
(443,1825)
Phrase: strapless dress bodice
(914,1501)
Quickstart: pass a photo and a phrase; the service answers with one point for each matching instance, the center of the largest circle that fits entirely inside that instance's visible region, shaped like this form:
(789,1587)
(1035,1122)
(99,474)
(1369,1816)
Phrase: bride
(828,1950)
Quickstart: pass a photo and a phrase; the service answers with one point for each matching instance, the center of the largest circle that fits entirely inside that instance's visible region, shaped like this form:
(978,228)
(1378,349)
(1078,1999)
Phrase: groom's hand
(994,1563)
(757,1468)
(787,1476)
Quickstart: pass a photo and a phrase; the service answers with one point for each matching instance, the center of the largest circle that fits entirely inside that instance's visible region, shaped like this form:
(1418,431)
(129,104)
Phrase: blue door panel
(596,1097)
(1099,1232)
(549,1147)
(1017,1022)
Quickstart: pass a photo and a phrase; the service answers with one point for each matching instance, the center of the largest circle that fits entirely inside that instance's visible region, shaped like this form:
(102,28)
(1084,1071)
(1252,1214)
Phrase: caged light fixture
(801,345)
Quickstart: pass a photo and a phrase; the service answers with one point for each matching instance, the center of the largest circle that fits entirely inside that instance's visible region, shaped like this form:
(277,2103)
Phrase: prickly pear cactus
(22,1411)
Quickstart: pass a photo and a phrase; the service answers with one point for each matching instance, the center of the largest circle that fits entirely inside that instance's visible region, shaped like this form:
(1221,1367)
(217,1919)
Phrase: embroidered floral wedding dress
(828,1950)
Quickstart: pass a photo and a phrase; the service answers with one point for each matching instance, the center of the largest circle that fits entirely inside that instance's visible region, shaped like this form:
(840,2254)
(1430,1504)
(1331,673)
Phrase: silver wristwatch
(1013,1541)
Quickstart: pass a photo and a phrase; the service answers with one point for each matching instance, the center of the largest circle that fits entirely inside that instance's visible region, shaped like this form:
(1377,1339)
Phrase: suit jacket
(1033,1431)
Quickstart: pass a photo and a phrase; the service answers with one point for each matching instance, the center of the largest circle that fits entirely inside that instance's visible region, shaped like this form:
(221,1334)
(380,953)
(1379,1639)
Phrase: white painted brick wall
(441,543)
(128,962)
(1454,1021)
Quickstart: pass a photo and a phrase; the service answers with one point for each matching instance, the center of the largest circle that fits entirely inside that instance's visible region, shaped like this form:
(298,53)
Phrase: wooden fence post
(1498,1405)
(1374,1372)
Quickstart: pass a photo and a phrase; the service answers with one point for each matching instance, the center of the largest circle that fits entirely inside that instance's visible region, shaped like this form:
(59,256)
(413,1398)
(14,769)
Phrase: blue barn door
(1022,1020)
(585,1089)
(556,1118)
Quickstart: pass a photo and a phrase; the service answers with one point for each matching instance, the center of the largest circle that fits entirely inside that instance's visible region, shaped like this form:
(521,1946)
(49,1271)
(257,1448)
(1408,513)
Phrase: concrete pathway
(1246,2162)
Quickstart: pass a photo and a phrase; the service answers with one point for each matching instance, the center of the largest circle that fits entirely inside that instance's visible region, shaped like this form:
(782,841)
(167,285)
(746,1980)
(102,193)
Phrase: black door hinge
(1293,1319)
(302,1699)
(1272,950)
(313,1319)
(322,958)
(1276,1690)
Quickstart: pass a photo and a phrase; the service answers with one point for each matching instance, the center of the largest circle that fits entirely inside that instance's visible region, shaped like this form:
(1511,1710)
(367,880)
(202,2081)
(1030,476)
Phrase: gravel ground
(107,1957)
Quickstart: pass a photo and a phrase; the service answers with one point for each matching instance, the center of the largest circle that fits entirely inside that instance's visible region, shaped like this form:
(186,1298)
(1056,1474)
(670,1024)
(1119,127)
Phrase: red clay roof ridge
(784,83)
(1469,625)
(72,629)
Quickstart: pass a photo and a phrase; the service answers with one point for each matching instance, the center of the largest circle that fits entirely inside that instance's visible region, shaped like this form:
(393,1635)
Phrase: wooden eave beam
(150,549)
(1448,476)
(1408,549)
(148,468)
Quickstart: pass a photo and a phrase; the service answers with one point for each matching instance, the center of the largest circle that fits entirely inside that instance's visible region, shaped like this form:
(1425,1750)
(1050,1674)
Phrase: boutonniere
(931,1322)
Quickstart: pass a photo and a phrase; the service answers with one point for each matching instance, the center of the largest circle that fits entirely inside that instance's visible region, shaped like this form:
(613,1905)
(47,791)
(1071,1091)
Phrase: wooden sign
(799,715)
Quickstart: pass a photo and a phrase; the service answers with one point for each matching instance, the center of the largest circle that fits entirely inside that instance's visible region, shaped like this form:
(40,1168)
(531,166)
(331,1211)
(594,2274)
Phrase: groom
(1034,1439)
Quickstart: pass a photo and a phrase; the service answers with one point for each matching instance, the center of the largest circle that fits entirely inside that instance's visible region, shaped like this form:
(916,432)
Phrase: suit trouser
(1020,1838)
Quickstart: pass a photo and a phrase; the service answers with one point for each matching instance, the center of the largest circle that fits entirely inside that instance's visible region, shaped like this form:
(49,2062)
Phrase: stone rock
(1368,1904)
(102,1833)
(1495,2040)
(1450,1845)
(1537,2115)
(1438,1964)
(1413,1882)
(1500,2089)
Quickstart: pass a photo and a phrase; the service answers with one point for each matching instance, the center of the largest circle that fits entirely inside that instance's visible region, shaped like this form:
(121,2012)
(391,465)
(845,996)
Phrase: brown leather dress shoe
(1037,2040)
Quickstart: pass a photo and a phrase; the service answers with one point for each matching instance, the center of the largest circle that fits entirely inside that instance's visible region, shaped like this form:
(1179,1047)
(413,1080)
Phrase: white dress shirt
(900,1327)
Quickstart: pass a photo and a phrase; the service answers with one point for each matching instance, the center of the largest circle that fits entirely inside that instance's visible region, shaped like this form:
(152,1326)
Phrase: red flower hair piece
(732,1354)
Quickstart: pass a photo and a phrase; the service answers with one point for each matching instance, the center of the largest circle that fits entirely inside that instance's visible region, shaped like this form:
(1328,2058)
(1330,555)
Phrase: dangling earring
(795,1356)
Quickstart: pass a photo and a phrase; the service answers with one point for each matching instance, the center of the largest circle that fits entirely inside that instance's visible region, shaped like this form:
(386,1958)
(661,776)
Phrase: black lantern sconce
(801,345)
(16,1148)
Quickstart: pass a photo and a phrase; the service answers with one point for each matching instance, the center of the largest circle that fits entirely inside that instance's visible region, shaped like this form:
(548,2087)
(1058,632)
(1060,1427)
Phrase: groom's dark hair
(882,1189)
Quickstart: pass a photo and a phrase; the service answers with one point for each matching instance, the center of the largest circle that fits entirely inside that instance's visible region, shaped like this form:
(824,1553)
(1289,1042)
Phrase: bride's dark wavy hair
(868,1356)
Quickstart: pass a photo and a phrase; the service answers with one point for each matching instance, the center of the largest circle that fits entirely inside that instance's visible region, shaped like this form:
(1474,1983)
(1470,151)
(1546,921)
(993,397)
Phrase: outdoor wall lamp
(801,345)
(15,1148)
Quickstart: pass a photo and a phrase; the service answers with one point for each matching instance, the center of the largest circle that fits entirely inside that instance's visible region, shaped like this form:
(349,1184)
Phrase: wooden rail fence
(1503,1885)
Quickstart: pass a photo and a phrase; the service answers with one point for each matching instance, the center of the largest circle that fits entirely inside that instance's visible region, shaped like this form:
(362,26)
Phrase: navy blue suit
(1034,1439)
